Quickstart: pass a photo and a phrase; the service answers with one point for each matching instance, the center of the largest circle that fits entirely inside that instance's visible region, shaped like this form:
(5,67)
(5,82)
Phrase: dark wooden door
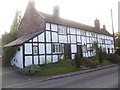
(67,51)
(79,50)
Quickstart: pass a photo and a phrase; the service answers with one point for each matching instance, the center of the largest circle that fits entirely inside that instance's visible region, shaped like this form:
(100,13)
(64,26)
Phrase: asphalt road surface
(104,78)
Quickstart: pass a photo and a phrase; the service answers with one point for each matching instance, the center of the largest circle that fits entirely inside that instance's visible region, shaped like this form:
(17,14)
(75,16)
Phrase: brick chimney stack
(104,27)
(56,11)
(32,2)
(97,23)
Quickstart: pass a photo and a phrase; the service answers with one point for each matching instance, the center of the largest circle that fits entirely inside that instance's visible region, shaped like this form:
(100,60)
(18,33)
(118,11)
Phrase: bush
(88,63)
(93,58)
(105,55)
(114,58)
(77,60)
(31,69)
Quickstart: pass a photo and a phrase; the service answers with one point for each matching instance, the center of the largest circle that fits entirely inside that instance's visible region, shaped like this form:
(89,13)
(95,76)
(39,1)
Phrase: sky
(83,11)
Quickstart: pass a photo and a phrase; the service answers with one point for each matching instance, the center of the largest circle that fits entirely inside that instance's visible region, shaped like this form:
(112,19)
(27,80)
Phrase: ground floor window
(57,48)
(84,48)
(35,49)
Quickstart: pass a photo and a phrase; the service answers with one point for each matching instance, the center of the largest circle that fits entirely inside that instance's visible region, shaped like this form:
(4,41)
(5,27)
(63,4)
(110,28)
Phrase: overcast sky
(83,11)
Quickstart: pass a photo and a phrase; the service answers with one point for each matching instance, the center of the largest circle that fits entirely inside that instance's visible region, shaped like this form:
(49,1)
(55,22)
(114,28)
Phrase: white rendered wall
(41,48)
(73,48)
(42,59)
(35,59)
(55,58)
(73,39)
(28,60)
(28,48)
(54,37)
(48,38)
(48,59)
(18,59)
(62,38)
(41,37)
(48,48)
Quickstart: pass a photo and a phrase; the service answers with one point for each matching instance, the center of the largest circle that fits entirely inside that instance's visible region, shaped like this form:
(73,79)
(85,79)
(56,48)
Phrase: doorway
(67,51)
(79,50)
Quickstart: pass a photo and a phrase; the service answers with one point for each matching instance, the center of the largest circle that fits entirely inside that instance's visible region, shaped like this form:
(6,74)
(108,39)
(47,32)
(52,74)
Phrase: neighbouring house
(45,38)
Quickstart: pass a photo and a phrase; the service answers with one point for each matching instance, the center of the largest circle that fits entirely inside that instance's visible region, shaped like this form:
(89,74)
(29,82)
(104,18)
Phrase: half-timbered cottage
(45,38)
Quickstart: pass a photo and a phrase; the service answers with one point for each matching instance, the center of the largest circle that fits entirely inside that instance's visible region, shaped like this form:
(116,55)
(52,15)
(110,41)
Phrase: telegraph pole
(113,31)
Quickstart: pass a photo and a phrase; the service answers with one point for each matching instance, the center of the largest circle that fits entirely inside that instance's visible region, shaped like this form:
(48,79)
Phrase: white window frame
(35,49)
(62,29)
(57,48)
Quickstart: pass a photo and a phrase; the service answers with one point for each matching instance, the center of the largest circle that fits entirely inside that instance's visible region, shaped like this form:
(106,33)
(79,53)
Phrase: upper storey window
(61,29)
(47,26)
(83,32)
(93,34)
(72,30)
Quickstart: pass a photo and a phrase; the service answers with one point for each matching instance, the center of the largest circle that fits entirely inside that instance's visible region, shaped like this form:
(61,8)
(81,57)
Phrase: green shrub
(77,60)
(31,69)
(93,58)
(88,63)
(114,58)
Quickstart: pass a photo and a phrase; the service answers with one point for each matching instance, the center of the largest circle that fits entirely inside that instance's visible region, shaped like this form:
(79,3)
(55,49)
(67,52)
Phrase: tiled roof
(70,23)
(22,39)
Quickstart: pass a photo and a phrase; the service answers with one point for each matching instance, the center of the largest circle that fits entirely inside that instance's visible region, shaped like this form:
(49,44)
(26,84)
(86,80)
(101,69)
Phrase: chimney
(31,2)
(56,11)
(97,23)
(104,27)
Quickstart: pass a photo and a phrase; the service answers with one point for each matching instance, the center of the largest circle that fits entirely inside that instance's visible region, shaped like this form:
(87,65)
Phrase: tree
(117,42)
(98,51)
(9,52)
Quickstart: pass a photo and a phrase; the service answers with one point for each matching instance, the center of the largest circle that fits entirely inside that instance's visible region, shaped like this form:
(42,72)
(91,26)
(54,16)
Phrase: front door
(79,50)
(67,51)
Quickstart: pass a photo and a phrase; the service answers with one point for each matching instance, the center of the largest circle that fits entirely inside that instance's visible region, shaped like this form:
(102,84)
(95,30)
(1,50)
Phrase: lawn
(105,62)
(64,66)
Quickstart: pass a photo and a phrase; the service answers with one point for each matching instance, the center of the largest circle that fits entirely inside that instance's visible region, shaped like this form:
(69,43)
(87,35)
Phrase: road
(104,78)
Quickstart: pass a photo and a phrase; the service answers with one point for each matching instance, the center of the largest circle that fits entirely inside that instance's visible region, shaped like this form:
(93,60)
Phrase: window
(72,30)
(83,32)
(84,48)
(61,29)
(57,48)
(87,33)
(103,40)
(35,49)
(92,34)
